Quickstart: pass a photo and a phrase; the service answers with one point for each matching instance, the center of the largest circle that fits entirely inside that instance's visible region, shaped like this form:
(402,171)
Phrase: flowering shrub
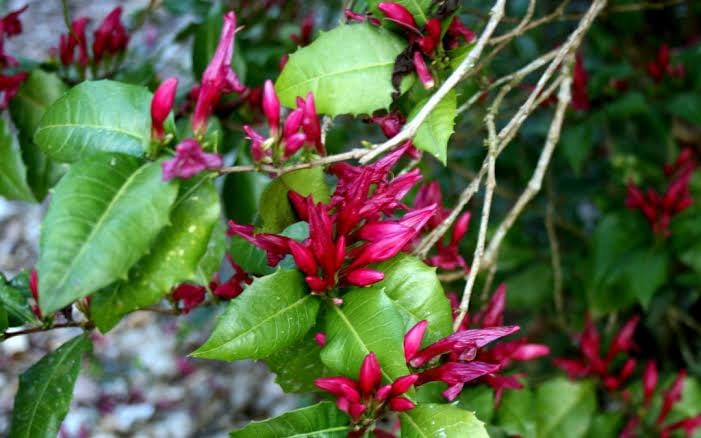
(314,189)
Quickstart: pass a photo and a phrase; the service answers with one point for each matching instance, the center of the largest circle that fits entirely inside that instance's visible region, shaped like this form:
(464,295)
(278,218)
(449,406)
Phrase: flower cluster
(190,296)
(189,160)
(301,128)
(593,363)
(425,42)
(351,231)
(110,41)
(10,26)
(671,396)
(447,255)
(460,358)
(659,209)
(661,66)
(365,399)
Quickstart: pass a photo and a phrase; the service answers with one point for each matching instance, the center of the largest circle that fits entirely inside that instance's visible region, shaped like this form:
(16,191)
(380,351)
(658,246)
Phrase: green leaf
(367,321)
(348,69)
(104,215)
(445,421)
(418,8)
(214,254)
(45,391)
(478,399)
(13,173)
(251,258)
(42,172)
(275,208)
(434,133)
(15,304)
(687,106)
(322,420)
(646,271)
(564,408)
(173,260)
(417,294)
(96,116)
(297,366)
(36,94)
(273,312)
(576,145)
(4,323)
(240,194)
(515,414)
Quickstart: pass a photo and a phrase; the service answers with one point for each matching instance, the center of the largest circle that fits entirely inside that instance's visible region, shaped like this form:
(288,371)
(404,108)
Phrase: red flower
(76,38)
(34,289)
(660,66)
(189,295)
(672,395)
(276,246)
(399,14)
(161,105)
(457,30)
(365,397)
(580,79)
(422,71)
(233,287)
(304,38)
(9,84)
(650,377)
(111,37)
(390,124)
(218,77)
(189,160)
(10,26)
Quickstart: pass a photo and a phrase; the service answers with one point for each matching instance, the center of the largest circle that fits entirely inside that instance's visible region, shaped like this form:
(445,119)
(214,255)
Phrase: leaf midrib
(89,126)
(98,224)
(335,73)
(254,327)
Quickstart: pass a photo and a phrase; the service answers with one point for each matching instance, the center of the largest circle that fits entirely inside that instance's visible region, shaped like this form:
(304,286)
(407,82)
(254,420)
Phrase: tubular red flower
(432,36)
(293,122)
(649,381)
(191,296)
(457,29)
(310,122)
(257,141)
(580,79)
(340,387)
(422,71)
(218,77)
(320,339)
(370,374)
(461,226)
(456,373)
(401,404)
(9,85)
(399,14)
(161,105)
(305,32)
(671,396)
(271,107)
(299,203)
(390,124)
(623,341)
(413,339)
(304,259)
(364,277)
(493,314)
(403,384)
(530,351)
(189,160)
(10,24)
(110,37)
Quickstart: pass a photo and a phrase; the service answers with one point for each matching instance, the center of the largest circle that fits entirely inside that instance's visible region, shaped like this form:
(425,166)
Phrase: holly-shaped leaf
(438,420)
(174,259)
(417,294)
(367,321)
(434,133)
(320,420)
(274,312)
(297,366)
(45,391)
(348,69)
(104,216)
(96,116)
(275,208)
(13,173)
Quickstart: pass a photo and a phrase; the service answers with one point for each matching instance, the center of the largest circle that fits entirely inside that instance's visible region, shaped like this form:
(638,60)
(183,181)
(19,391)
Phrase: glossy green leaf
(646,271)
(417,294)
(322,420)
(274,312)
(445,421)
(4,322)
(687,106)
(214,254)
(296,367)
(515,414)
(96,116)
(275,208)
(564,408)
(240,194)
(418,8)
(367,321)
(13,173)
(33,98)
(174,259)
(251,258)
(104,216)
(478,399)
(42,172)
(348,69)
(15,304)
(434,133)
(45,391)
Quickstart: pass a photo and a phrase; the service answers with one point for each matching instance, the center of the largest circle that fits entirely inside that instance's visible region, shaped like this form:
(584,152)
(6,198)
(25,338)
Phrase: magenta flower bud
(110,36)
(190,295)
(320,339)
(293,122)
(257,140)
(390,124)
(340,387)
(649,381)
(413,339)
(530,352)
(454,373)
(189,160)
(356,410)
(293,143)
(310,123)
(299,203)
(432,38)
(422,71)
(493,314)
(304,259)
(623,341)
(671,396)
(316,284)
(161,105)
(370,374)
(218,77)
(399,14)
(364,277)
(403,384)
(11,24)
(401,404)
(340,251)
(271,107)
(382,393)
(460,228)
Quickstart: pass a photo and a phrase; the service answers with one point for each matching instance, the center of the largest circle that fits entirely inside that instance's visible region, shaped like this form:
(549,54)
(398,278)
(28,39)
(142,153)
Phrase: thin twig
(554,251)
(87,325)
